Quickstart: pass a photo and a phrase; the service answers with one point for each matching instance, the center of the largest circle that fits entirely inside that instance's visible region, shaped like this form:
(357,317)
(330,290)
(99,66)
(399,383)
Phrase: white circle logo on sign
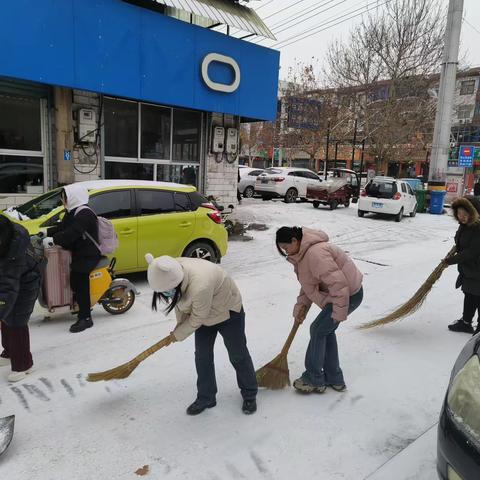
(220,87)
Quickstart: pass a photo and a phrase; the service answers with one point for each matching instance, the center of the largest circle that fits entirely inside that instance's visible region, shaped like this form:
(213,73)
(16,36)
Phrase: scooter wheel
(119,302)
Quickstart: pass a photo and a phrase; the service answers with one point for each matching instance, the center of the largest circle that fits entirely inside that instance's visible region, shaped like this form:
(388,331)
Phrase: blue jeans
(321,360)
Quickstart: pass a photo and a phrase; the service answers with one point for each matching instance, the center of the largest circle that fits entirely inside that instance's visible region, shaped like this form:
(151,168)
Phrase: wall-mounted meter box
(87,125)
(218,140)
(232,141)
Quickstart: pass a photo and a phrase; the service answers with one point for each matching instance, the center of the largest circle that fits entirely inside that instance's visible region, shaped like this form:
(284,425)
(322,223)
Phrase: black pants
(16,347)
(80,283)
(471,304)
(233,333)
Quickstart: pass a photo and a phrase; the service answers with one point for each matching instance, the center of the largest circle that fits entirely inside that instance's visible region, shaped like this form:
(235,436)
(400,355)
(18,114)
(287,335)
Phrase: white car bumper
(380,205)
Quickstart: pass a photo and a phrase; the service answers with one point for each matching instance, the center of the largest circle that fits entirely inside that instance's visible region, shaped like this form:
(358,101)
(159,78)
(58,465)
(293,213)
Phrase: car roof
(384,179)
(106,184)
(291,169)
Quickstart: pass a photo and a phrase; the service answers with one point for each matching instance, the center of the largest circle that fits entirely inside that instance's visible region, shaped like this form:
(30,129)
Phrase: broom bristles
(274,375)
(415,302)
(124,371)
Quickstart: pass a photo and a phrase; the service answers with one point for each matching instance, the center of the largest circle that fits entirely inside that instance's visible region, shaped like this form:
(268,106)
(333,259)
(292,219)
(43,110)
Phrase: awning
(226,12)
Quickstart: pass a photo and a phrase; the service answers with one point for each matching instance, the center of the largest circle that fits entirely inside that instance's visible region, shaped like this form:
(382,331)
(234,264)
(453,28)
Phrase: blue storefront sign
(119,49)
(465,156)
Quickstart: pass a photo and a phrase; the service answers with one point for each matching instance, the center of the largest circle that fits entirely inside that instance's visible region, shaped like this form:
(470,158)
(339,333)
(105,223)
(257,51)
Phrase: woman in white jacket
(206,302)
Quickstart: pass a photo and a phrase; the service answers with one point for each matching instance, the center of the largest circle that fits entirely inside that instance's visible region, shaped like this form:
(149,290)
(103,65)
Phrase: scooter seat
(104,262)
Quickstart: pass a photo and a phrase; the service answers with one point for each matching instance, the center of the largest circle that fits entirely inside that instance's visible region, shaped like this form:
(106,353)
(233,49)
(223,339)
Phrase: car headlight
(464,397)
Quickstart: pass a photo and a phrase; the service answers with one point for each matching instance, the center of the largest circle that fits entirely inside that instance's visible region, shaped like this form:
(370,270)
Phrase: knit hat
(164,273)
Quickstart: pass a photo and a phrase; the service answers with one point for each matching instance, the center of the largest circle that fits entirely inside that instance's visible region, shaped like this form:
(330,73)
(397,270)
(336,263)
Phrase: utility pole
(326,151)
(354,142)
(443,118)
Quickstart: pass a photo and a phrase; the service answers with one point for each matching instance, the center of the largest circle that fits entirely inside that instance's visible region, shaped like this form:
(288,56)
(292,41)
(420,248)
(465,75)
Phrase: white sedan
(248,176)
(387,196)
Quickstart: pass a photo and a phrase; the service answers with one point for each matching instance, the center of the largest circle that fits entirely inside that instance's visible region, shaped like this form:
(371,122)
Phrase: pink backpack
(107,237)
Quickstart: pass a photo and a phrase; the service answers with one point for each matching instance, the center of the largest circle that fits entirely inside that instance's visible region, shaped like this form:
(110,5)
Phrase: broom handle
(290,338)
(151,350)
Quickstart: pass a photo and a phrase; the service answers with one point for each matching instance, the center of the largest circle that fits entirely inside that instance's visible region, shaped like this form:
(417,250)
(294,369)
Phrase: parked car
(158,217)
(248,176)
(286,182)
(387,196)
(458,440)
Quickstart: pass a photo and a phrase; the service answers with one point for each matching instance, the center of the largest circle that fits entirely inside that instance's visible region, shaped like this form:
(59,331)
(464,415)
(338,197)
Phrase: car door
(405,198)
(312,179)
(413,199)
(117,206)
(166,223)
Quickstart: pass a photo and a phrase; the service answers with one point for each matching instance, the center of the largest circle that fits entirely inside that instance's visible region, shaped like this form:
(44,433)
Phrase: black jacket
(20,280)
(467,241)
(476,189)
(70,234)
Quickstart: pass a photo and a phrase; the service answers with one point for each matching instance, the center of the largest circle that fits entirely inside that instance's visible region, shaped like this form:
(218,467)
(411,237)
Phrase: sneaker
(339,388)
(81,325)
(17,376)
(198,407)
(4,361)
(249,406)
(461,326)
(300,385)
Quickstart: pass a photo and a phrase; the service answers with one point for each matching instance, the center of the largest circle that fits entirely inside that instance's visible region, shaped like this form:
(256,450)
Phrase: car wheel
(333,205)
(248,192)
(201,250)
(291,195)
(361,213)
(398,218)
(316,204)
(414,212)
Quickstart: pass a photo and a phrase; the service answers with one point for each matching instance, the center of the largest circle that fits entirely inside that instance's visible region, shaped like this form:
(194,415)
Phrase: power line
(287,42)
(468,23)
(263,5)
(283,9)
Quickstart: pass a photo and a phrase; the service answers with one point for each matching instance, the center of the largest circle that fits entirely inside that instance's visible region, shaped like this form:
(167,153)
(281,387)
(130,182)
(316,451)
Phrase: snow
(384,426)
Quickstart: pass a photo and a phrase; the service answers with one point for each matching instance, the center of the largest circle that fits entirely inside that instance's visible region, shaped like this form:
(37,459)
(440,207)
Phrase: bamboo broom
(415,302)
(124,371)
(275,375)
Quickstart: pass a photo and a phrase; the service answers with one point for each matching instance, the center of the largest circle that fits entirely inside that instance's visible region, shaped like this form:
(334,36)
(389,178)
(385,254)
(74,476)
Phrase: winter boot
(81,324)
(17,376)
(300,385)
(249,406)
(339,388)
(461,326)
(198,407)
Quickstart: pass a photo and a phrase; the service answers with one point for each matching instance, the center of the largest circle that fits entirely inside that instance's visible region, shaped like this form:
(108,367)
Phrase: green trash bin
(421,200)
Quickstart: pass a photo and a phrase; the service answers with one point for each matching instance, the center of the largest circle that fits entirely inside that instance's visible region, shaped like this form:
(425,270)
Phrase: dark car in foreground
(458,456)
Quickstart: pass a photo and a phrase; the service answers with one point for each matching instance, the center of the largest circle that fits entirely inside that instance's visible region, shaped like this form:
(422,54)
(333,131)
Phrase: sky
(282,15)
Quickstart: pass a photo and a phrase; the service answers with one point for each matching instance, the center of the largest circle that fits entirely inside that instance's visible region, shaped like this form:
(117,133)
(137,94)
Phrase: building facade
(112,89)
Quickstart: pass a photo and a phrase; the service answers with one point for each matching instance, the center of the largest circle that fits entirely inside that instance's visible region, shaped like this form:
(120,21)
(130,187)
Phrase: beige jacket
(326,274)
(208,296)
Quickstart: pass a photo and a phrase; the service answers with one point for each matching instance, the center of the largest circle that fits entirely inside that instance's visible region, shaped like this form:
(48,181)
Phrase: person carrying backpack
(78,232)
(19,287)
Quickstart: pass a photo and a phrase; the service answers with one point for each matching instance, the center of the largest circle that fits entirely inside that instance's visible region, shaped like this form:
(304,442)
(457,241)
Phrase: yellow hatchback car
(157,217)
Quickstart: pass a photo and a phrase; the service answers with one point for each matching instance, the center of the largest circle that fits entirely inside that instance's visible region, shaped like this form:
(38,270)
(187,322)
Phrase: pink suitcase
(56,280)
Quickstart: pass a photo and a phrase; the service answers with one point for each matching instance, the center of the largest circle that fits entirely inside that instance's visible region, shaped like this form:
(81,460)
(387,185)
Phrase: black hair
(170,301)
(286,235)
(6,235)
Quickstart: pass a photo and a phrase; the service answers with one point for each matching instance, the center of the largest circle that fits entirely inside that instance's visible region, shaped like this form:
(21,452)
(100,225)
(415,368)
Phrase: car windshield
(41,205)
(381,189)
(273,171)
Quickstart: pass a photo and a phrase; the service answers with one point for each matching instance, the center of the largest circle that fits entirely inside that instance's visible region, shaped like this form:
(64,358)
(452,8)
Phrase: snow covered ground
(383,427)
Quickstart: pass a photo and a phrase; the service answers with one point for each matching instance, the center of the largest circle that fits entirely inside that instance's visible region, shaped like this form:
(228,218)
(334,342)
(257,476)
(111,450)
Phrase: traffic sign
(465,156)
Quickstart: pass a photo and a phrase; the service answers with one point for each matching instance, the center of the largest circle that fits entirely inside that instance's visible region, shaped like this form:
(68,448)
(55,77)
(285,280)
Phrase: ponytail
(286,235)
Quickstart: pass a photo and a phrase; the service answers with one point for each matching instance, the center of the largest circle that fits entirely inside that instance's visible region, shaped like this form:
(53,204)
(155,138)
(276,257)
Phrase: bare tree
(385,69)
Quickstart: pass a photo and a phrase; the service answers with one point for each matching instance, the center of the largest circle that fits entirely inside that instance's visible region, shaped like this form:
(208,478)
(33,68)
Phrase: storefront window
(121,128)
(156,125)
(21,174)
(186,136)
(186,174)
(128,171)
(20,124)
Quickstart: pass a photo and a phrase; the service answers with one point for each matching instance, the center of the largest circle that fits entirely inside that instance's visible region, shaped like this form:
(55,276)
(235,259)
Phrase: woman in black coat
(467,258)
(19,286)
(78,227)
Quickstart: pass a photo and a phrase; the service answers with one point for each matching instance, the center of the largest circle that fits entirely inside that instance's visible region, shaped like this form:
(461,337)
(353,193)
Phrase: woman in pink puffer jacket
(330,279)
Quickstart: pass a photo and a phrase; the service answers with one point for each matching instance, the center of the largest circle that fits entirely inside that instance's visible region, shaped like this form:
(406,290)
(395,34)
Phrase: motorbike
(227,223)
(115,295)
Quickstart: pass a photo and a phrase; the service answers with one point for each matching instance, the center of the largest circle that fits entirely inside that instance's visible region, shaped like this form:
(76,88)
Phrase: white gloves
(48,242)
